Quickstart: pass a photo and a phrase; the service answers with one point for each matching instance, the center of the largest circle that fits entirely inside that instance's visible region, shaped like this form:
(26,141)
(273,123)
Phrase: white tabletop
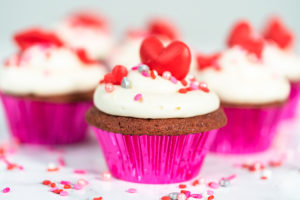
(282,183)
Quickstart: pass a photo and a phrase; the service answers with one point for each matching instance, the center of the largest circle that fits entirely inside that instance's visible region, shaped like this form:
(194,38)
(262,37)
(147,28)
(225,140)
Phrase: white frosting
(161,99)
(283,62)
(97,42)
(244,80)
(49,71)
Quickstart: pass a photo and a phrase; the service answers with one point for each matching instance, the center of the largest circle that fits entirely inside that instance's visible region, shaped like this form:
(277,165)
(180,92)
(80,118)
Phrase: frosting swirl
(48,70)
(154,98)
(283,62)
(244,80)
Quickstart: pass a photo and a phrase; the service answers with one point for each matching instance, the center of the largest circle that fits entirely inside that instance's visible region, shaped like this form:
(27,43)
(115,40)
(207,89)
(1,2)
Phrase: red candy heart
(84,58)
(277,32)
(88,20)
(163,28)
(243,35)
(208,61)
(30,37)
(118,73)
(175,58)
(240,31)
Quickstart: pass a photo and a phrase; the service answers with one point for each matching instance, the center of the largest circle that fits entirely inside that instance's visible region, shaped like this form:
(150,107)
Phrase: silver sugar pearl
(173,195)
(125,83)
(224,182)
(143,68)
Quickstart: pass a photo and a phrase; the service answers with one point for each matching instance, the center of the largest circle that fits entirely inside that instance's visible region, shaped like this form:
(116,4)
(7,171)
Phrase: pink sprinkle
(106,176)
(194,86)
(53,189)
(173,80)
(135,68)
(210,192)
(213,185)
(233,176)
(82,182)
(109,87)
(6,190)
(65,182)
(131,190)
(144,73)
(138,97)
(63,193)
(77,187)
(79,171)
(61,162)
(197,196)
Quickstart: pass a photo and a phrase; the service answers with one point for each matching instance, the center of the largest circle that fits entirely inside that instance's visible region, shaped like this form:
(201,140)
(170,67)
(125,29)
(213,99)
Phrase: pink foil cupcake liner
(154,159)
(249,130)
(38,122)
(291,108)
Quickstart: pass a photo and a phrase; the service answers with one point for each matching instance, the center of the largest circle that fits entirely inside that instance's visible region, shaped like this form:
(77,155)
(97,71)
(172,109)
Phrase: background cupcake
(127,52)
(46,88)
(87,30)
(279,54)
(155,124)
(252,97)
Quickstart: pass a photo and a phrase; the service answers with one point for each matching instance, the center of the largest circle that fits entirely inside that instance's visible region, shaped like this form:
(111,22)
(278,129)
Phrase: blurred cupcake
(252,97)
(46,88)
(154,124)
(89,31)
(279,55)
(127,52)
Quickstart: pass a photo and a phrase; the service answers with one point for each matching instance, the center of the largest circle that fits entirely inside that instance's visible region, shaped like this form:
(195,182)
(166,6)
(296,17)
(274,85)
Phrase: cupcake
(153,122)
(252,97)
(279,55)
(46,88)
(89,31)
(127,52)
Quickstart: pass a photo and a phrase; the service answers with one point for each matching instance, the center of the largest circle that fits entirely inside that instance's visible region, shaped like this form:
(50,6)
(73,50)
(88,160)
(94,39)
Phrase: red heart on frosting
(88,20)
(243,35)
(30,37)
(163,28)
(116,76)
(277,32)
(208,61)
(84,58)
(175,58)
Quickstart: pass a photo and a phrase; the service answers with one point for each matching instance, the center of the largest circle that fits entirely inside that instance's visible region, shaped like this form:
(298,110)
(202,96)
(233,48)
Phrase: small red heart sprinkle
(277,32)
(175,58)
(84,58)
(207,61)
(243,35)
(164,28)
(88,20)
(30,37)
(116,76)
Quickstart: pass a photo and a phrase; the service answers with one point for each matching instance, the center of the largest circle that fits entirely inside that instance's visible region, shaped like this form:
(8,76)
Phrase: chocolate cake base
(60,98)
(169,126)
(248,105)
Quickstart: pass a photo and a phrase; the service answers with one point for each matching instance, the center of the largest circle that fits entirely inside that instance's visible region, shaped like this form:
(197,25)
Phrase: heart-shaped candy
(208,61)
(175,58)
(30,37)
(116,76)
(164,28)
(277,32)
(244,35)
(86,19)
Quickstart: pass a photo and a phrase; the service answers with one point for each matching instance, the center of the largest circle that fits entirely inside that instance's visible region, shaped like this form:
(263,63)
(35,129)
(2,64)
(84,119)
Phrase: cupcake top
(44,66)
(159,88)
(89,31)
(127,52)
(239,79)
(278,52)
(272,48)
